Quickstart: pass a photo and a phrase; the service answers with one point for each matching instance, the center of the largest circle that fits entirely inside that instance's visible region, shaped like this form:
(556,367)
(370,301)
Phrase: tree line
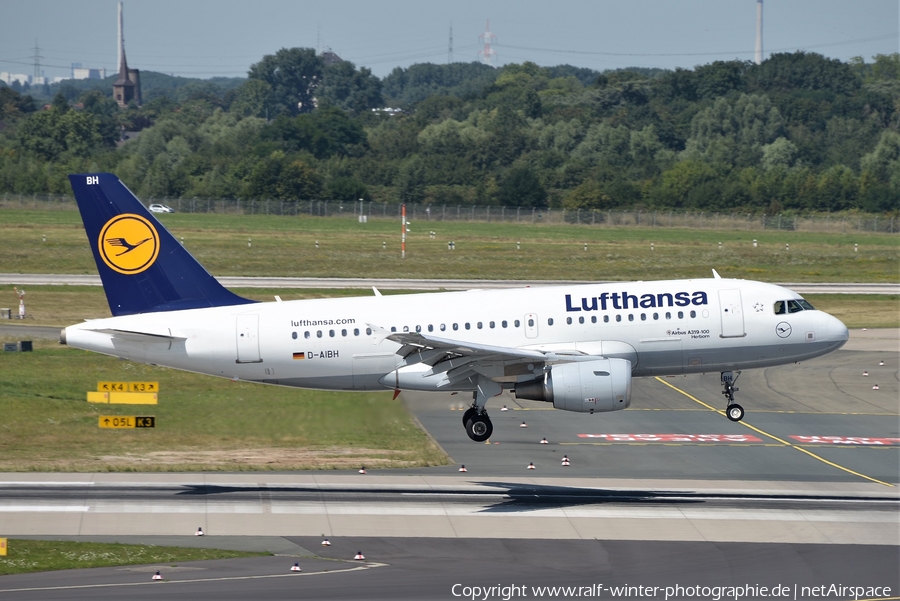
(799,132)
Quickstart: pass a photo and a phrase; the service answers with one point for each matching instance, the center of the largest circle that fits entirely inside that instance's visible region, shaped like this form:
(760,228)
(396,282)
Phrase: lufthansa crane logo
(128,244)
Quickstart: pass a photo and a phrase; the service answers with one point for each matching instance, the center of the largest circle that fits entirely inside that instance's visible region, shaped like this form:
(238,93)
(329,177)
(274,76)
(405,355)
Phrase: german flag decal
(299,355)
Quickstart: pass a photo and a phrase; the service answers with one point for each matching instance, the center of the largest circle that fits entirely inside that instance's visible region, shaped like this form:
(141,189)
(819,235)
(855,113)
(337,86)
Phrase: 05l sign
(127,421)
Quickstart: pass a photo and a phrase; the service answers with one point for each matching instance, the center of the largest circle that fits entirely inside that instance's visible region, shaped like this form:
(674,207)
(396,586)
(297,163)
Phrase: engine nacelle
(583,386)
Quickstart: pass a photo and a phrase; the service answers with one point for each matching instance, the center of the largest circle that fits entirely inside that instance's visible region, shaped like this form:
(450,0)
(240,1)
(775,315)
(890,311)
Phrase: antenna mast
(450,50)
(487,54)
(759,23)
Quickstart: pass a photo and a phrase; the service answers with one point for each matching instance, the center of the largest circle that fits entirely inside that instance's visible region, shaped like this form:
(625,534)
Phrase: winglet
(716,275)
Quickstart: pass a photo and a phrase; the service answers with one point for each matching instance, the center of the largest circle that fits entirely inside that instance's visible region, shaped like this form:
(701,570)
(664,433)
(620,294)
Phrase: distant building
(9,78)
(330,58)
(127,86)
(85,73)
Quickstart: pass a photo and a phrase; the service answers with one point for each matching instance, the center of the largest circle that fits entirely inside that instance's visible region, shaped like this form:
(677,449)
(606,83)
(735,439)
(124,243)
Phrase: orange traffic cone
(296,568)
(362,470)
(544,441)
(359,555)
(325,541)
(503,408)
(157,576)
(875,387)
(523,425)
(565,461)
(881,363)
(531,466)
(462,468)
(199,531)
(865,374)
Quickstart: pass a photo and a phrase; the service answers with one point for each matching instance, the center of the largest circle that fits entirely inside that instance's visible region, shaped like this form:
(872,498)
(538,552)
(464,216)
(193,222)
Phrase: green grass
(285,246)
(25,556)
(203,423)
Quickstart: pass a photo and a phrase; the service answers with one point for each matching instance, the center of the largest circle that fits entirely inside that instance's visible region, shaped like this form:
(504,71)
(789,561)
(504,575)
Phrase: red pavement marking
(857,440)
(673,437)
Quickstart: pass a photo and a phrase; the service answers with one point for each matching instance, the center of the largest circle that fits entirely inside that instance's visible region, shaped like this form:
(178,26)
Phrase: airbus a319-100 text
(577,347)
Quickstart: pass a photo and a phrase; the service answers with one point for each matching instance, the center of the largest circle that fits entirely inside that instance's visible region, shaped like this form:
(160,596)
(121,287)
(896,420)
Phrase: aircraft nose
(836,331)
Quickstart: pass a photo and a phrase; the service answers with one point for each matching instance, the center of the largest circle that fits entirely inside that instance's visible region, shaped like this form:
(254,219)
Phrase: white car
(157,208)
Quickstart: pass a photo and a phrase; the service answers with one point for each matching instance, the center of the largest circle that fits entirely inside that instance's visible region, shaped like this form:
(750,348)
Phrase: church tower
(127,86)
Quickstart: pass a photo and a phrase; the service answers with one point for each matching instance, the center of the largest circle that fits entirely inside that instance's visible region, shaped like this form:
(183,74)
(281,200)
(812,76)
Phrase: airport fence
(827,223)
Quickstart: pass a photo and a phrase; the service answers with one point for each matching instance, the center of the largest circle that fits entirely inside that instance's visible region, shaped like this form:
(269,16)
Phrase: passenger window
(606,319)
(492,325)
(593,319)
(517,323)
(794,306)
(581,320)
(318,333)
(406,328)
(306,334)
(368,331)
(668,315)
(294,335)
(655,316)
(430,328)
(443,327)
(478,325)
(681,315)
(779,307)
(343,332)
(530,323)
(393,328)
(643,317)
(693,314)
(618,318)
(503,323)
(356,331)
(630,317)
(550,322)
(331,333)
(569,320)
(468,326)
(456,326)
(418,328)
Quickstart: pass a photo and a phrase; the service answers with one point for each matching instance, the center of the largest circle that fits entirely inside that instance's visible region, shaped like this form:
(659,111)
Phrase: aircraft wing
(457,360)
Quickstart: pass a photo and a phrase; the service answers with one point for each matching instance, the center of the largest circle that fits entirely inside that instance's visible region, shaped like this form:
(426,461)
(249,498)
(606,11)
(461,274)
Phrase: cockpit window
(793,306)
(779,307)
(805,304)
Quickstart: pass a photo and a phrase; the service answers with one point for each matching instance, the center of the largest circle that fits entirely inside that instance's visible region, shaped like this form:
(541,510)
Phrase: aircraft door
(248,339)
(732,314)
(531,325)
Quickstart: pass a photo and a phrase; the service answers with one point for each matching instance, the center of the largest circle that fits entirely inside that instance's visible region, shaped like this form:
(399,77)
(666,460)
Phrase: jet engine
(584,386)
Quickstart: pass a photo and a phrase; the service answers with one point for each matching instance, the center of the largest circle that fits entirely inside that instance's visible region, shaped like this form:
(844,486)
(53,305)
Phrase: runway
(34,279)
(668,493)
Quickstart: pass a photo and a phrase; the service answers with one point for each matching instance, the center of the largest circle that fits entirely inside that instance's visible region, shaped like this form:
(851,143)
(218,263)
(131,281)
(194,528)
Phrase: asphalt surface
(667,493)
(33,279)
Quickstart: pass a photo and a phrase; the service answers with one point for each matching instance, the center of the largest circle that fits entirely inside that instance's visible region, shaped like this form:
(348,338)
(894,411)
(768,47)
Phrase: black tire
(469,414)
(735,412)
(479,428)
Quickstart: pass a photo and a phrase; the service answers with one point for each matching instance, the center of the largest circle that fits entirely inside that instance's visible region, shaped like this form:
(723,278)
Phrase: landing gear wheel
(479,427)
(469,414)
(735,412)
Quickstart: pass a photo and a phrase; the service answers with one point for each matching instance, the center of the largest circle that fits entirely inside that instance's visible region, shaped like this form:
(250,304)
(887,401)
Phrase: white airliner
(577,347)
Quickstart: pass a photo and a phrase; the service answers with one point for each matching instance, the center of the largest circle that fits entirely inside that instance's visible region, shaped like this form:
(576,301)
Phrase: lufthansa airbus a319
(577,347)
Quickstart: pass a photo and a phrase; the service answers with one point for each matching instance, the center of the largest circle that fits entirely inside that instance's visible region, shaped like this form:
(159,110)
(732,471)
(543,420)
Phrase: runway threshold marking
(192,580)
(773,437)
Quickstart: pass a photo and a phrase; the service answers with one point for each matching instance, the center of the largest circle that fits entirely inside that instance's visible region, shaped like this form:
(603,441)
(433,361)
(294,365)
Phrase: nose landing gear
(733,411)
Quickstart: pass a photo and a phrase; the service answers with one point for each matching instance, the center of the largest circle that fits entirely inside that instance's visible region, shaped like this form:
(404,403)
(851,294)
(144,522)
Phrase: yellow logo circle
(128,244)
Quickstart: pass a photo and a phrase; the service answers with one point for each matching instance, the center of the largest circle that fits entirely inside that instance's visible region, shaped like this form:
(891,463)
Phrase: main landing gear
(733,411)
(475,419)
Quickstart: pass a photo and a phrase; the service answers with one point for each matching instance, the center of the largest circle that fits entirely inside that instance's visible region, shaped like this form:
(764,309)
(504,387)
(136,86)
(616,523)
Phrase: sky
(209,38)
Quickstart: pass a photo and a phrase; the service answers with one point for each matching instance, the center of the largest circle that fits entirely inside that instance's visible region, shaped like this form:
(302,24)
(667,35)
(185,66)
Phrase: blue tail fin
(143,268)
